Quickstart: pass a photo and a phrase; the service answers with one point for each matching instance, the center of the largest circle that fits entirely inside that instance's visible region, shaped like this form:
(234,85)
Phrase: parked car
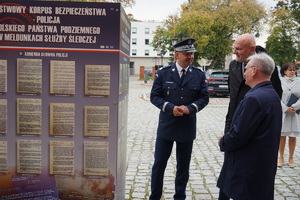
(218,83)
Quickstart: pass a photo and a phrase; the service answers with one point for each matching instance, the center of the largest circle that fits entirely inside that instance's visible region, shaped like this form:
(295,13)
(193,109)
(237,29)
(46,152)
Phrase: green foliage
(213,23)
(283,42)
(295,8)
(162,40)
(281,49)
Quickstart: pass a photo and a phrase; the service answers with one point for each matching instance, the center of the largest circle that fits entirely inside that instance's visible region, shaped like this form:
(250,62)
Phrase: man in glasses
(251,144)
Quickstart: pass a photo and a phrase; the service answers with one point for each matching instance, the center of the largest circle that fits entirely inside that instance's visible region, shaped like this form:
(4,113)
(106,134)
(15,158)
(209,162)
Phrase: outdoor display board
(64,69)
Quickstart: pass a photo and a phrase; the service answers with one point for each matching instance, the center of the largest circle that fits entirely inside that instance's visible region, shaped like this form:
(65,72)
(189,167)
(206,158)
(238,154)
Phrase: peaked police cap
(186,45)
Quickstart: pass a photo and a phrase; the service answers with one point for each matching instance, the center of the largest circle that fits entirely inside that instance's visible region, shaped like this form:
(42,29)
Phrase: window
(147,30)
(133,52)
(171,53)
(134,40)
(134,30)
(146,52)
(146,41)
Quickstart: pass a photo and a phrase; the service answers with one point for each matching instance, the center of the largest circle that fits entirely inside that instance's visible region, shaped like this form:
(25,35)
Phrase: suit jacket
(251,146)
(167,92)
(238,89)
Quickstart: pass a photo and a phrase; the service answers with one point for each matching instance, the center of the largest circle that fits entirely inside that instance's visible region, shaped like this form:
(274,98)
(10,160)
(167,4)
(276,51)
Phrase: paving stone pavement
(206,158)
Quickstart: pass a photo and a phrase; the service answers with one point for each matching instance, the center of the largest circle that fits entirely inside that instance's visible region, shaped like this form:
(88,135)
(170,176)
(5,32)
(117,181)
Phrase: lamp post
(158,54)
(161,53)
(174,40)
(181,36)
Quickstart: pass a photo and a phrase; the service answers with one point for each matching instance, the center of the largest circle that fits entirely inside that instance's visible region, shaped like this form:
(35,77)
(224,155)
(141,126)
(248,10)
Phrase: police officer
(179,91)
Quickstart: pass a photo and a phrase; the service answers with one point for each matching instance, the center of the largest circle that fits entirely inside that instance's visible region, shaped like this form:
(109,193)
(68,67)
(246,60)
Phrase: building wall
(148,63)
(141,51)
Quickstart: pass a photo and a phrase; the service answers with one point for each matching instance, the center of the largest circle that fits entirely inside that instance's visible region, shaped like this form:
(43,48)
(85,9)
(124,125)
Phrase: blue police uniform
(168,91)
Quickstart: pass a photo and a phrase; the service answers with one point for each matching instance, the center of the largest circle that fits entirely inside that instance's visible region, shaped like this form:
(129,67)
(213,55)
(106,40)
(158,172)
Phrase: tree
(282,44)
(162,40)
(295,8)
(214,23)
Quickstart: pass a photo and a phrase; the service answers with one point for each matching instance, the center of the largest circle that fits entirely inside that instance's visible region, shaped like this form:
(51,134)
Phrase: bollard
(145,76)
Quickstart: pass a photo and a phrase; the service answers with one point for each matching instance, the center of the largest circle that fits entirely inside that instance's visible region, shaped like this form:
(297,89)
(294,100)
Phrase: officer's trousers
(163,149)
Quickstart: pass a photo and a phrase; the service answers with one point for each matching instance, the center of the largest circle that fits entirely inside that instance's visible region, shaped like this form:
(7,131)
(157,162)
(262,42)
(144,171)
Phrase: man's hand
(177,111)
(180,110)
(219,139)
(184,109)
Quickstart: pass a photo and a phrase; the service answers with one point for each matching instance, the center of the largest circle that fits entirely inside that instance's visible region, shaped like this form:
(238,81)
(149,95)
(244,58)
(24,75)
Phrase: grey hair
(264,62)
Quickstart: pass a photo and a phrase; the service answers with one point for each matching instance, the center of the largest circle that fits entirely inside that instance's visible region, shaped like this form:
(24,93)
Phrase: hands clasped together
(291,110)
(180,110)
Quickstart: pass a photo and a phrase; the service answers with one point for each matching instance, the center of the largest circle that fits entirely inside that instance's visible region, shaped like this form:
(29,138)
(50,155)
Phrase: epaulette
(165,67)
(198,68)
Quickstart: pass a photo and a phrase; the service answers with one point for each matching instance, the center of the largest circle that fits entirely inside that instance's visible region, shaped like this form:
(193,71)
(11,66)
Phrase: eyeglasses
(252,66)
(291,70)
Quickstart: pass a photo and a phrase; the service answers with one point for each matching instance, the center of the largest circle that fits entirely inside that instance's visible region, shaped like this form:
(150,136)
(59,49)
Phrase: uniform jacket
(251,146)
(167,92)
(290,122)
(238,88)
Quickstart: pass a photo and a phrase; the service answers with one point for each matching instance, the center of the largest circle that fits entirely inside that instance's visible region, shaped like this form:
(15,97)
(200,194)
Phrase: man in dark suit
(252,142)
(244,46)
(179,95)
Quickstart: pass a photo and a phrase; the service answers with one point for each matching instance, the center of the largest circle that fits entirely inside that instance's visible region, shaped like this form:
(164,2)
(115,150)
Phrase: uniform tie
(182,75)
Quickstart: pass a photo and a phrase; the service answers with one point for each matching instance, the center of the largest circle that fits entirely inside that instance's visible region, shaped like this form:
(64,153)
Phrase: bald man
(243,47)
